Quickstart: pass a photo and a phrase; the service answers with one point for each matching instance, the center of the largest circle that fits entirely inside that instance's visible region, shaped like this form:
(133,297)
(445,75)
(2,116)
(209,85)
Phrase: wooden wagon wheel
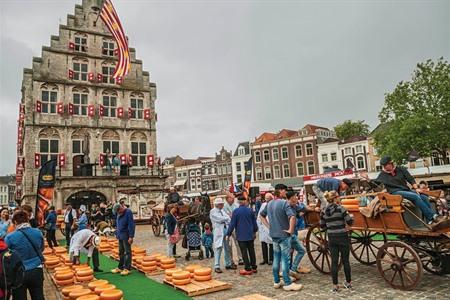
(433,257)
(364,245)
(317,249)
(156,225)
(399,265)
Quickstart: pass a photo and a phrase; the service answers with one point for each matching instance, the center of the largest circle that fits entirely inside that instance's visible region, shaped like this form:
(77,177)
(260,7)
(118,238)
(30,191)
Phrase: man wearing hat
(85,241)
(70,218)
(220,221)
(330,184)
(125,229)
(396,178)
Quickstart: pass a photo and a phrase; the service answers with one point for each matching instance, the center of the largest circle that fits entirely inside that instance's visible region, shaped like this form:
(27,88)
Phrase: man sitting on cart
(396,178)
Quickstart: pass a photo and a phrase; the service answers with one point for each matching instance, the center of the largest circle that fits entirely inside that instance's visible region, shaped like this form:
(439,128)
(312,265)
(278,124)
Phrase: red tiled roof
(312,128)
(286,133)
(266,137)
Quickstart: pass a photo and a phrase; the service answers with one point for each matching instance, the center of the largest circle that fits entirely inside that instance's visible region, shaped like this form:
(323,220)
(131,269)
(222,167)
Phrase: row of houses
(288,156)
(7,190)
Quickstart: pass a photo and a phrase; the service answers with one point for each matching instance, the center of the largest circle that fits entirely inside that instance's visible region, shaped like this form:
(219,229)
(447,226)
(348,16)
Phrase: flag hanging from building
(112,21)
(45,187)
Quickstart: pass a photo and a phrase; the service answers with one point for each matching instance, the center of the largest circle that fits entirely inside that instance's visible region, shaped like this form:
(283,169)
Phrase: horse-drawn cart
(397,240)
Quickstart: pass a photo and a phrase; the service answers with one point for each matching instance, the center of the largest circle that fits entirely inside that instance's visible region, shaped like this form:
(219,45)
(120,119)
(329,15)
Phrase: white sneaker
(278,285)
(296,275)
(293,287)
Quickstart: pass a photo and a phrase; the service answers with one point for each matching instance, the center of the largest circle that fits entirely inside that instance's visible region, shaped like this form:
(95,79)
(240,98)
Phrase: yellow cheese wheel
(352,207)
(73,295)
(181,281)
(111,295)
(65,291)
(63,275)
(149,258)
(169,272)
(168,278)
(191,268)
(165,267)
(149,263)
(63,269)
(181,275)
(350,202)
(64,282)
(52,261)
(84,272)
(168,261)
(202,278)
(106,287)
(148,269)
(85,278)
(47,251)
(203,271)
(92,285)
(89,297)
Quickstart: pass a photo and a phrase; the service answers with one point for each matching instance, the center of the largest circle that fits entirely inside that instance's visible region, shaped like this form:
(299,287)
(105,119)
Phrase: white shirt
(78,242)
(66,215)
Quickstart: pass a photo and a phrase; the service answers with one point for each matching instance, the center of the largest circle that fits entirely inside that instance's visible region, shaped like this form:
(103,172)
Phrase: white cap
(218,201)
(96,241)
(83,207)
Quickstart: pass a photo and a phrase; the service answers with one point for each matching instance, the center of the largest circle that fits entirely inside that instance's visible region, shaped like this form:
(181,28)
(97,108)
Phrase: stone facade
(73,105)
(224,172)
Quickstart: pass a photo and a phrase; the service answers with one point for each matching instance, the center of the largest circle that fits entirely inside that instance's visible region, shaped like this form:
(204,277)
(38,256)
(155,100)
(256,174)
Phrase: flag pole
(99,11)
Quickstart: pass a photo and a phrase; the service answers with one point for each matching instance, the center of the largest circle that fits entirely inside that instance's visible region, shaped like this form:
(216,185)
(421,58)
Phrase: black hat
(281,186)
(385,160)
(347,181)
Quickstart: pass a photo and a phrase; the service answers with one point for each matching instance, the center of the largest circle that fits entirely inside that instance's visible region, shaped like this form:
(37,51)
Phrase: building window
(349,163)
(48,100)
(107,74)
(284,153)
(241,150)
(239,178)
(300,169)
(324,157)
(192,173)
(80,43)
(276,172)
(77,146)
(267,173)
(275,155)
(347,150)
(266,155)
(80,71)
(198,173)
(137,105)
(311,168)
(48,150)
(257,156)
(333,156)
(138,153)
(80,104)
(309,149)
(238,167)
(259,175)
(286,171)
(359,149)
(111,147)
(298,151)
(108,48)
(360,162)
(109,106)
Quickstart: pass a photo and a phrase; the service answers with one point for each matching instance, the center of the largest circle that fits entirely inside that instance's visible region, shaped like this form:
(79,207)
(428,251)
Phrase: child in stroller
(194,240)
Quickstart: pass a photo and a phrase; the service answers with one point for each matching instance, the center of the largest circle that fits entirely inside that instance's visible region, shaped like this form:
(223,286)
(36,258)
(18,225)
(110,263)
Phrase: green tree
(351,128)
(416,115)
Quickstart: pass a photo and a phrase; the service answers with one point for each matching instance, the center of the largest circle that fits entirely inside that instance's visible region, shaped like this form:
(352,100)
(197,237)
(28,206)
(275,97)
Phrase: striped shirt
(333,218)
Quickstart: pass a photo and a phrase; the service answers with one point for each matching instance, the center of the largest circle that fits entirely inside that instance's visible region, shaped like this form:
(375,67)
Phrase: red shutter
(60,108)
(21,117)
(120,112)
(130,113)
(70,74)
(61,159)
(70,109)
(119,80)
(37,160)
(91,76)
(22,108)
(99,77)
(130,160)
(101,110)
(147,114)
(38,106)
(102,160)
(123,159)
(71,46)
(91,110)
(150,160)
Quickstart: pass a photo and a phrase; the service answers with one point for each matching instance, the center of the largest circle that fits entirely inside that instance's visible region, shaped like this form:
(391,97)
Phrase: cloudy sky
(227,71)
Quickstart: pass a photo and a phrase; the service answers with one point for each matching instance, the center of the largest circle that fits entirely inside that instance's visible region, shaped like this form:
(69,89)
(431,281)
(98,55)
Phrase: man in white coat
(230,205)
(220,221)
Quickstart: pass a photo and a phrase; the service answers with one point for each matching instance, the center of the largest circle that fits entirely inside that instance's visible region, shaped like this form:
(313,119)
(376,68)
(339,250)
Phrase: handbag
(175,237)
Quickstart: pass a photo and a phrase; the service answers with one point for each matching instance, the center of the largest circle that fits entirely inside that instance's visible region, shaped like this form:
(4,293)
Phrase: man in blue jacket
(330,184)
(125,234)
(244,221)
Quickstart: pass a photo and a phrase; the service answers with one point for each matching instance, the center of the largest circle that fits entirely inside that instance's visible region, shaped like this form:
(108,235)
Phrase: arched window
(300,169)
(267,173)
(48,144)
(137,106)
(49,97)
(80,101)
(78,138)
(311,168)
(80,69)
(139,149)
(259,175)
(109,103)
(266,155)
(360,162)
(309,149)
(257,156)
(111,142)
(286,171)
(350,163)
(276,172)
(284,153)
(275,155)
(108,72)
(298,150)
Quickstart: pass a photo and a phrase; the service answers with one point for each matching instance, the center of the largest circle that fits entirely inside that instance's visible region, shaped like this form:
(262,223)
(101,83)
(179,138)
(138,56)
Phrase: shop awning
(180,182)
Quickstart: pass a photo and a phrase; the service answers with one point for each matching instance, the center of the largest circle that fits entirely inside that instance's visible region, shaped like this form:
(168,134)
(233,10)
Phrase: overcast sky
(227,71)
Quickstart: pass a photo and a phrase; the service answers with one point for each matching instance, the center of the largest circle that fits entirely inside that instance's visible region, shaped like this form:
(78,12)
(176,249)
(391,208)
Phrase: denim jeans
(421,201)
(298,247)
(218,254)
(170,247)
(281,249)
(209,252)
(124,255)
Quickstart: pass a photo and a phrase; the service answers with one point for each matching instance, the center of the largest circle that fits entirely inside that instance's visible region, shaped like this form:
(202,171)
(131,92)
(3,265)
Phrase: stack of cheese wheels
(47,251)
(104,247)
(167,263)
(84,274)
(66,290)
(181,278)
(66,260)
(115,253)
(51,262)
(64,277)
(148,264)
(111,295)
(75,294)
(135,259)
(169,273)
(93,284)
(59,251)
(89,297)
(106,287)
(192,268)
(202,274)
(350,204)
(138,251)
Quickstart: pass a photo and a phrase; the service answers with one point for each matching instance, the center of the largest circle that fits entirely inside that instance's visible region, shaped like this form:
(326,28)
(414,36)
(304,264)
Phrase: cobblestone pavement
(367,282)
